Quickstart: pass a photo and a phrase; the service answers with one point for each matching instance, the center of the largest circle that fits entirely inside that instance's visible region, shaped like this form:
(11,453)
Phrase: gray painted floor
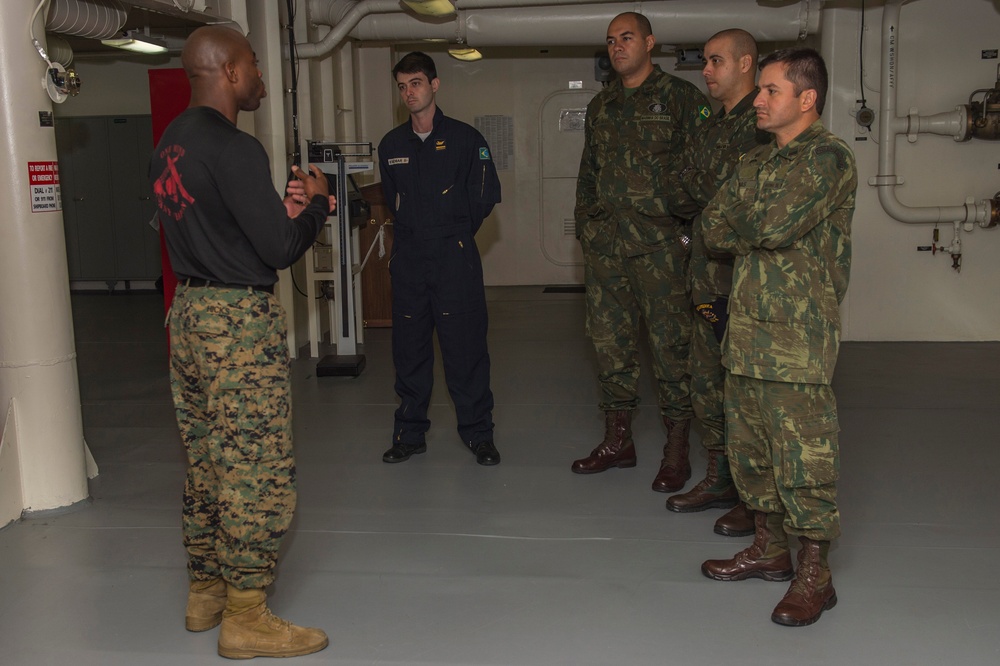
(440,561)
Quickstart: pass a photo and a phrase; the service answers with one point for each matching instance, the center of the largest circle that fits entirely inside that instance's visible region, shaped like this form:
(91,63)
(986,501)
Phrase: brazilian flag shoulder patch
(704,111)
(484,153)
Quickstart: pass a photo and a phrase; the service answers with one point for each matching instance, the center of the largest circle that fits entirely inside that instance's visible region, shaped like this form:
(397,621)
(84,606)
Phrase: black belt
(198,282)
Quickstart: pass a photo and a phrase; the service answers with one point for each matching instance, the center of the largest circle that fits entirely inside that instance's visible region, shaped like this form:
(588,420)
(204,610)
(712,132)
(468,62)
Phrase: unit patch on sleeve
(837,153)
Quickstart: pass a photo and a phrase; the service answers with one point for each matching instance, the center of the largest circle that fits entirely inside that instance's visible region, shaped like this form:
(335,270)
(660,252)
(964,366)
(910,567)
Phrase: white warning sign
(43,179)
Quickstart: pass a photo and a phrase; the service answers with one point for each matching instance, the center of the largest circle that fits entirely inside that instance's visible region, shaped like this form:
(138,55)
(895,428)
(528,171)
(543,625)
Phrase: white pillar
(40,415)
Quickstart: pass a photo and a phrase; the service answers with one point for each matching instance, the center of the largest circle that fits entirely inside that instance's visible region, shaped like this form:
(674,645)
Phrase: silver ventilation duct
(94,19)
(59,50)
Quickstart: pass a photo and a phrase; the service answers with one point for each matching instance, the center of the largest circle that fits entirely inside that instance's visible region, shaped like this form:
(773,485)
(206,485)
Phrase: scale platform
(348,365)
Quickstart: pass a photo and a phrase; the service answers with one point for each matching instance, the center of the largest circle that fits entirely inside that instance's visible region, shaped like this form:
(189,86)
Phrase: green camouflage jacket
(631,158)
(709,158)
(786,216)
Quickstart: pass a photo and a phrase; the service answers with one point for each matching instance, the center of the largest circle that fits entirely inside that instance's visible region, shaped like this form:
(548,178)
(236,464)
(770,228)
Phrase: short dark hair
(414,63)
(645,28)
(805,69)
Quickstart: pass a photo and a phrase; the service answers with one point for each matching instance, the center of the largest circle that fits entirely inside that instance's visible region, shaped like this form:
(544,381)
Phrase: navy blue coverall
(439,190)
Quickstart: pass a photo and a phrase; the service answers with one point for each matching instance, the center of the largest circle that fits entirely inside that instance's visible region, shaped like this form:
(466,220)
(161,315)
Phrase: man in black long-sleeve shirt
(228,232)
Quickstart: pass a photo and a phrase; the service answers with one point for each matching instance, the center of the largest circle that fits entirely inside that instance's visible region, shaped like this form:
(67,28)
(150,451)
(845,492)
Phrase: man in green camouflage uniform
(786,216)
(709,157)
(634,247)
(227,232)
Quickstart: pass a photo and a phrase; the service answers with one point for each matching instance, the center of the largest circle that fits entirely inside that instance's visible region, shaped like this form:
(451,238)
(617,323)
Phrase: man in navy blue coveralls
(440,183)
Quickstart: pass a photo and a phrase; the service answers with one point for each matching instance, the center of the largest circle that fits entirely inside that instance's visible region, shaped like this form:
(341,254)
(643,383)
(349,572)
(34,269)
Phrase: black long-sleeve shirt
(222,218)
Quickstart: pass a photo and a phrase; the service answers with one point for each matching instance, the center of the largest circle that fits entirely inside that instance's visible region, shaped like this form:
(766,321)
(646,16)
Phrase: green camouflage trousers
(781,438)
(623,289)
(708,384)
(229,373)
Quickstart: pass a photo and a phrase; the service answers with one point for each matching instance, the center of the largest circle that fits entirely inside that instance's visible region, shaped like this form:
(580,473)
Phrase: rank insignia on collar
(657,107)
(439,144)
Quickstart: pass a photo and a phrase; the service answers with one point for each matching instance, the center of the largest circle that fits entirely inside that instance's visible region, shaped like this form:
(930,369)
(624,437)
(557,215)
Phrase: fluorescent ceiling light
(431,7)
(137,42)
(465,54)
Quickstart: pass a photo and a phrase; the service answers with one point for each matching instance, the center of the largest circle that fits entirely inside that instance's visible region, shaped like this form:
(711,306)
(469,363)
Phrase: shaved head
(209,48)
(730,66)
(642,24)
(222,68)
(741,42)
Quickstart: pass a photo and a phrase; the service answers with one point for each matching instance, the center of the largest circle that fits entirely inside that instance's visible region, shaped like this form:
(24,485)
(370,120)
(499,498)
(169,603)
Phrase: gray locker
(107,205)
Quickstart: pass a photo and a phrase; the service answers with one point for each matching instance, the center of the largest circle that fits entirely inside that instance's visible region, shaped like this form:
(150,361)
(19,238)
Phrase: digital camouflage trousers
(229,373)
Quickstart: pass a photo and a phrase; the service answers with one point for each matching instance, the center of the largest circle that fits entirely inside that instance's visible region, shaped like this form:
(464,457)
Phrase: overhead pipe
(953,123)
(331,12)
(489,23)
(345,15)
(324,13)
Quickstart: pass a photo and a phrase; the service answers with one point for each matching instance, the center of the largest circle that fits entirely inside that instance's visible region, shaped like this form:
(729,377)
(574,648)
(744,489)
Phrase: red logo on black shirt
(171,197)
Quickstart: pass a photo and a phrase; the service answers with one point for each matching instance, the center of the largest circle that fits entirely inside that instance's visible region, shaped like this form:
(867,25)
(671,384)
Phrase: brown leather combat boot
(206,601)
(249,629)
(812,591)
(675,468)
(715,490)
(736,523)
(617,449)
(767,557)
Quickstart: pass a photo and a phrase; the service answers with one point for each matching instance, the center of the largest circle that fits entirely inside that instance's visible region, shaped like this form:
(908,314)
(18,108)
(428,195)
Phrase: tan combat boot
(206,601)
(812,591)
(249,629)
(767,557)
(617,449)
(675,468)
(716,490)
